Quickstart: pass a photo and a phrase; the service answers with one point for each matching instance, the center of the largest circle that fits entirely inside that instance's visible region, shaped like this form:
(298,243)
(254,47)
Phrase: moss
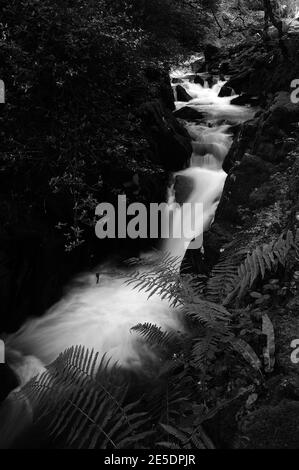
(273,427)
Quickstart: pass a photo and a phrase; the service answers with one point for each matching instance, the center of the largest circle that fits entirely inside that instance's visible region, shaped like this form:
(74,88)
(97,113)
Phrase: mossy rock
(273,427)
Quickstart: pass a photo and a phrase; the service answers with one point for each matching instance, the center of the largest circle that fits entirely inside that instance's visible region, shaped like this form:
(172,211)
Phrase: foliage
(75,75)
(213,329)
(82,401)
(87,402)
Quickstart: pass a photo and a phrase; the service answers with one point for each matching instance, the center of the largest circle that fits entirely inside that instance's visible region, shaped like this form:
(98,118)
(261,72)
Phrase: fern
(162,280)
(205,348)
(224,273)
(171,341)
(262,259)
(82,401)
(166,281)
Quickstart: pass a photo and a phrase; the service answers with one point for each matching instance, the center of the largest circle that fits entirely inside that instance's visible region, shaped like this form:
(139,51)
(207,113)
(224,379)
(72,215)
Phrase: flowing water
(100,315)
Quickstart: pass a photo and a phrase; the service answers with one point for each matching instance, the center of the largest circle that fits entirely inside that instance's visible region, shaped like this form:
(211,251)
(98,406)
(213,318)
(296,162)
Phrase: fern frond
(223,275)
(208,314)
(83,402)
(185,438)
(163,280)
(260,261)
(204,349)
(245,350)
(171,341)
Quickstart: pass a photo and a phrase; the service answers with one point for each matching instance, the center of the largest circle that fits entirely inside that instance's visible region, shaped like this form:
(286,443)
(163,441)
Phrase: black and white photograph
(149,227)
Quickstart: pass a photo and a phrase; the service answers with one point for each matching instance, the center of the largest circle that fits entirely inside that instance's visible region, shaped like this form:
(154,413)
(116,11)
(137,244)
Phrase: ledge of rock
(169,141)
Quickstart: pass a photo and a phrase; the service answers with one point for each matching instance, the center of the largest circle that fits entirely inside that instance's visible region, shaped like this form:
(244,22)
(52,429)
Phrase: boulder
(283,110)
(244,177)
(198,66)
(226,91)
(189,114)
(182,94)
(176,80)
(240,81)
(242,100)
(170,143)
(199,80)
(183,187)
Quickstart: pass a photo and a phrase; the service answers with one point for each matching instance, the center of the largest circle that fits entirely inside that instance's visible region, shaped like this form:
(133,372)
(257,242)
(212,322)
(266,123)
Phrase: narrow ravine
(100,315)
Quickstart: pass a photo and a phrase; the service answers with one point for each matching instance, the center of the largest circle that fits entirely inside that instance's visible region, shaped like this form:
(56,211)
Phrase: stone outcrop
(169,141)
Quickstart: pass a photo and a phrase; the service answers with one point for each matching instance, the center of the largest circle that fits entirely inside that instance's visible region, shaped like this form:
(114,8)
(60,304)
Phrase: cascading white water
(100,315)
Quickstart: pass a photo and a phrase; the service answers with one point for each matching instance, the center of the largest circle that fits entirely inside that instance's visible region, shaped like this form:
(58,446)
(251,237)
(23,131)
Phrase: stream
(100,315)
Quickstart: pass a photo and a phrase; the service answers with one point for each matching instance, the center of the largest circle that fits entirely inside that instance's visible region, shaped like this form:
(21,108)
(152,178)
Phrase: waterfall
(100,315)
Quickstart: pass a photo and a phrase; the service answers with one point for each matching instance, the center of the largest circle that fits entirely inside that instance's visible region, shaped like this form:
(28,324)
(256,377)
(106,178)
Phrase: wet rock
(245,137)
(182,94)
(198,66)
(238,82)
(169,141)
(226,91)
(183,188)
(199,80)
(244,99)
(210,81)
(177,80)
(244,177)
(189,114)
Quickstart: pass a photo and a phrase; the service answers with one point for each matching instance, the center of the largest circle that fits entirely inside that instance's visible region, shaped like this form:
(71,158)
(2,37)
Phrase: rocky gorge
(245,392)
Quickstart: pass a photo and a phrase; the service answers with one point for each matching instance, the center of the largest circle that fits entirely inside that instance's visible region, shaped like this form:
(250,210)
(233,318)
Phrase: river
(100,315)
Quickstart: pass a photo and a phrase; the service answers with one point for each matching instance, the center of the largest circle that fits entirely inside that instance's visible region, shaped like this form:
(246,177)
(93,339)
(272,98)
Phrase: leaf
(248,353)
(269,350)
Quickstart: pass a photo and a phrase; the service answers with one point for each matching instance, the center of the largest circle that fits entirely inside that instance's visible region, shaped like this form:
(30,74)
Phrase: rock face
(169,141)
(188,113)
(244,177)
(262,69)
(182,94)
(270,135)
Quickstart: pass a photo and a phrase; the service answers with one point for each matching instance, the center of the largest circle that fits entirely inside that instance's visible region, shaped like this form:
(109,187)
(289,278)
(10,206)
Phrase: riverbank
(260,203)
